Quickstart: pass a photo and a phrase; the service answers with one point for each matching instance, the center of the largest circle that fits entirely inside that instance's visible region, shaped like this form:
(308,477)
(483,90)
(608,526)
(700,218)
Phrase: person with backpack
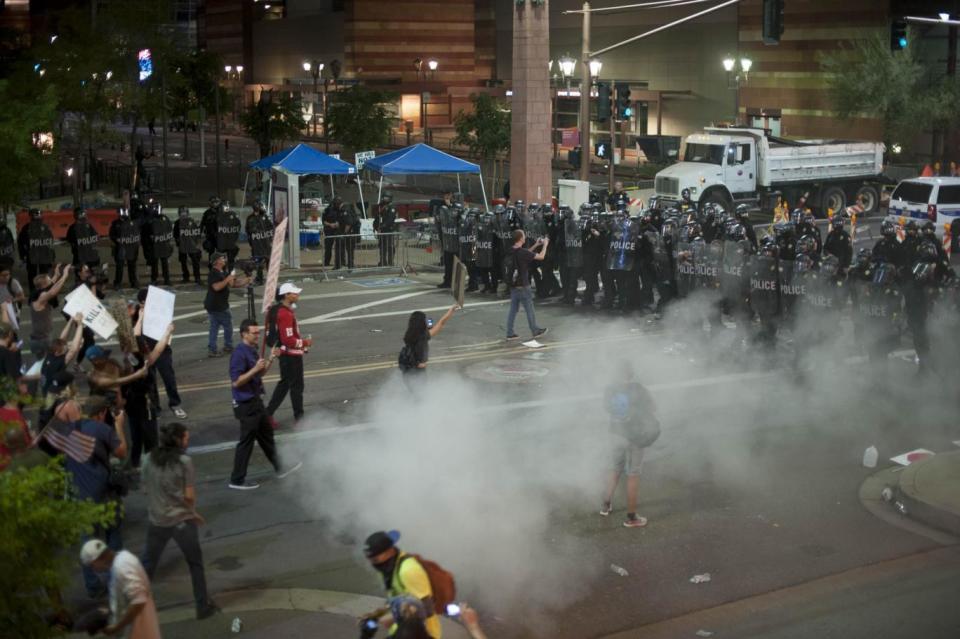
(292,349)
(416,341)
(633,428)
(517,276)
(412,575)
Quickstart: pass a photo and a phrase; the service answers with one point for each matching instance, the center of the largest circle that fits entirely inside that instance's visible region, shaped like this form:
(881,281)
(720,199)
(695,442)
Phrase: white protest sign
(96,317)
(12,316)
(361,158)
(158,312)
(366,230)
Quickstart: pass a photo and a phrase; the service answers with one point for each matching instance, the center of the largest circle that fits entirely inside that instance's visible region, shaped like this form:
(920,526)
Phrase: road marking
(316,320)
(343,311)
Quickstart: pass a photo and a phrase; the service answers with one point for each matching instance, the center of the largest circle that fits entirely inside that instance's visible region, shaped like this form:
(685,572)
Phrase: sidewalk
(930,491)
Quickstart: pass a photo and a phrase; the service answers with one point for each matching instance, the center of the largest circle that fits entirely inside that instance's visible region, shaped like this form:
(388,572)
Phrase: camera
(368,628)
(247,266)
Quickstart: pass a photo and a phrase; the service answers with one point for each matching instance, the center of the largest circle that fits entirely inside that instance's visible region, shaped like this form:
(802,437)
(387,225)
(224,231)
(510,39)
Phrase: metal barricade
(362,252)
(421,250)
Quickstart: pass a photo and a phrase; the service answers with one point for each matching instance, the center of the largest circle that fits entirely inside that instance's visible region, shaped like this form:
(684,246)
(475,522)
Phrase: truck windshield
(709,153)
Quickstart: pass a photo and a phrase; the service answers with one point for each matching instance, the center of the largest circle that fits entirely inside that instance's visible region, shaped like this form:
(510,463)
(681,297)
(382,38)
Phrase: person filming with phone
(217,303)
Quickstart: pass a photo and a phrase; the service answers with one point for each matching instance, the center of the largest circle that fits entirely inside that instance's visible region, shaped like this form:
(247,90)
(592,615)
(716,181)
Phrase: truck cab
(715,167)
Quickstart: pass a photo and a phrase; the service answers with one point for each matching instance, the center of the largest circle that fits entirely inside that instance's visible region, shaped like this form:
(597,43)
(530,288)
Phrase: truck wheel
(834,198)
(871,197)
(717,198)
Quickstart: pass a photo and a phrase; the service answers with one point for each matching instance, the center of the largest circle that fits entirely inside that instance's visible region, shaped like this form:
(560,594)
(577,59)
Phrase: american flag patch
(69,440)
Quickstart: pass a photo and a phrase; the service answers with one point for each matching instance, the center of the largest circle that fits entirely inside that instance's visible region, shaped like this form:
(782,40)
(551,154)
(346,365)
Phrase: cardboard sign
(158,312)
(361,158)
(459,287)
(366,230)
(96,317)
(273,272)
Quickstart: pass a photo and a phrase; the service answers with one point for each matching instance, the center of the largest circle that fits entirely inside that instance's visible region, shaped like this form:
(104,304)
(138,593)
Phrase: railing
(403,252)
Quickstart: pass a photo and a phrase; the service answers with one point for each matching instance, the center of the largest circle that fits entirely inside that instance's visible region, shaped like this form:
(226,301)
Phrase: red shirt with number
(290,341)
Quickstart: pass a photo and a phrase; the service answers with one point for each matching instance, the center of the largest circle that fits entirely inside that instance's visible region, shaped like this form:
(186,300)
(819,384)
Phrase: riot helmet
(742,213)
(155,208)
(519,204)
(929,230)
(710,213)
(803,263)
(888,229)
(864,257)
(499,210)
(124,211)
(79,213)
(837,221)
(214,201)
(736,232)
(784,229)
(685,195)
(566,212)
(768,246)
(912,229)
(830,265)
(35,214)
(691,231)
(809,219)
(183,211)
(807,245)
(386,198)
(927,252)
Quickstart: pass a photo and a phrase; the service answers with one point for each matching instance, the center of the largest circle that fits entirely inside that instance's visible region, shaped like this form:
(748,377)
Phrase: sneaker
(541,332)
(510,338)
(633,521)
(179,412)
(247,485)
(208,610)
(606,509)
(214,354)
(290,471)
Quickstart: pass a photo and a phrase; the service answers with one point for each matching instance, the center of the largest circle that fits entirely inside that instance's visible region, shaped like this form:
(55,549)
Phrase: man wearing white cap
(292,348)
(132,610)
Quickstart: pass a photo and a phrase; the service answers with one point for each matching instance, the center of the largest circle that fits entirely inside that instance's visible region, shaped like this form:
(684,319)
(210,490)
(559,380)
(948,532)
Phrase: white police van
(926,199)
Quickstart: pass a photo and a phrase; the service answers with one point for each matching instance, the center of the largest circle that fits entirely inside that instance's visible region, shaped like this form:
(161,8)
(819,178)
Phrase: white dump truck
(729,165)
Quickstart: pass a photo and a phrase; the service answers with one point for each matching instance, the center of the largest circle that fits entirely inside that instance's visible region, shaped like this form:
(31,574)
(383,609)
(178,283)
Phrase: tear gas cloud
(496,496)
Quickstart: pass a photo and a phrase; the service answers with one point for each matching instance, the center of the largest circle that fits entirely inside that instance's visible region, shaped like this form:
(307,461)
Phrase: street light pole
(216,129)
(585,96)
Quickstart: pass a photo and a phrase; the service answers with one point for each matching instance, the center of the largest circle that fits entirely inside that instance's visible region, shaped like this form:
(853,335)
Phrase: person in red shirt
(292,349)
(14,434)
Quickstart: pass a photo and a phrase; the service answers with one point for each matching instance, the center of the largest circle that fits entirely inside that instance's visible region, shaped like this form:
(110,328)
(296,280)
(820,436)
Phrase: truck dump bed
(789,161)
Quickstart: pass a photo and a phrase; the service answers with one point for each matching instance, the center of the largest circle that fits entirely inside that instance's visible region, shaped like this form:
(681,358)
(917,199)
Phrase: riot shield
(712,266)
(486,237)
(792,287)
(448,230)
(686,274)
(732,275)
(467,239)
(573,243)
(622,245)
(764,274)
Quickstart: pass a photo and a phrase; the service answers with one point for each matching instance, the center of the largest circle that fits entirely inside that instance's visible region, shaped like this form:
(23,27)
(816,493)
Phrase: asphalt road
(494,472)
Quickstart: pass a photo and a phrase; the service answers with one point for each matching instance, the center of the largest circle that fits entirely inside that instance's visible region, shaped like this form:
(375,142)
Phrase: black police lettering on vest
(486,238)
(228,230)
(85,240)
(40,243)
(125,234)
(260,234)
(161,237)
(188,234)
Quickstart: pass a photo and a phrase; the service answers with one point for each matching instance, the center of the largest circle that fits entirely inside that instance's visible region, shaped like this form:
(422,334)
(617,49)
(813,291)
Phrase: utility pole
(585,96)
(216,125)
(611,178)
(163,123)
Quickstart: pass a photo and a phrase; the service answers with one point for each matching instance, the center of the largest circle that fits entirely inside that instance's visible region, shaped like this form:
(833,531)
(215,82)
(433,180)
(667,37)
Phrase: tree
(868,78)
(273,120)
(22,119)
(39,531)
(358,118)
(486,131)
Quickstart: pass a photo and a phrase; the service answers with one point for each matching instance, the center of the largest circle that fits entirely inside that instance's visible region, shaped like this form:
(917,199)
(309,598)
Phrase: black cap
(380,542)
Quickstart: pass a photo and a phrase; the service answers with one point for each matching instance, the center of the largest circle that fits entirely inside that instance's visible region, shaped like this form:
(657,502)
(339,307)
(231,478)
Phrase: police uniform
(228,233)
(36,247)
(157,235)
(384,225)
(83,238)
(332,229)
(188,236)
(260,236)
(351,227)
(208,229)
(125,235)
(8,243)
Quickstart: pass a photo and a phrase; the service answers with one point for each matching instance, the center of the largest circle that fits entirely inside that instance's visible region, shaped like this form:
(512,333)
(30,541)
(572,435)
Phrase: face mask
(293,306)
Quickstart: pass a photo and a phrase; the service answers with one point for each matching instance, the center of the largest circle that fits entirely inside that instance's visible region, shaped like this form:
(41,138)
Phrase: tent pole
(243,199)
(459,190)
(363,207)
(270,196)
(483,190)
(380,190)
(332,194)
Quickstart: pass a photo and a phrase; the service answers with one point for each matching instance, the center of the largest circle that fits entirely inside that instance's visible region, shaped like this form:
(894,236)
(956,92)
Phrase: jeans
(218,319)
(96,583)
(254,427)
(164,366)
(186,536)
(521,295)
(291,379)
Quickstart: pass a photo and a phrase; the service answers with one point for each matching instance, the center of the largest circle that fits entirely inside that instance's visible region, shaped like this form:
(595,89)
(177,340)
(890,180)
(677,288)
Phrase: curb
(928,509)
(871,499)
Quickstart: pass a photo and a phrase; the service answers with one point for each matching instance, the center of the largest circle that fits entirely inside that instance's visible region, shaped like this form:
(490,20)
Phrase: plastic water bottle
(870,457)
(237,625)
(619,570)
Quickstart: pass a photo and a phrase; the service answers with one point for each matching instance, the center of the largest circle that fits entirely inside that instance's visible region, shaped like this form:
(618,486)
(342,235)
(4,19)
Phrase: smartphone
(370,624)
(453,610)
(429,322)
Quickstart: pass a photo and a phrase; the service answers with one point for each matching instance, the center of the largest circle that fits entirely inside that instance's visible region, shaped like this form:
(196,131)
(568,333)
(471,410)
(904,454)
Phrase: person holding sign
(42,302)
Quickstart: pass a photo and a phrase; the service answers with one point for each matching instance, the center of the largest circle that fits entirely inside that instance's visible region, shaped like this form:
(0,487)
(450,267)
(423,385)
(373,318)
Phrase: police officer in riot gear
(487,251)
(618,199)
(686,204)
(259,230)
(8,243)
(571,255)
(332,230)
(742,215)
(647,239)
(709,223)
(187,234)
(228,233)
(350,225)
(807,226)
(208,226)
(157,237)
(665,262)
(593,252)
(887,248)
(607,278)
(765,290)
(125,235)
(449,224)
(35,243)
(839,243)
(910,245)
(928,233)
(918,291)
(877,304)
(786,237)
(83,238)
(468,246)
(385,225)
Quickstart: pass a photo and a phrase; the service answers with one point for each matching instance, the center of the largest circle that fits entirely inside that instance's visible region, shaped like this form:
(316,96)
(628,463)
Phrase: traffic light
(603,149)
(603,101)
(898,35)
(624,108)
(772,21)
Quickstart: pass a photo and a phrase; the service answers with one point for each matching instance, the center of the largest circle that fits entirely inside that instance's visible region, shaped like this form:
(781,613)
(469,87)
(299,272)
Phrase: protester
(95,281)
(633,427)
(42,302)
(11,292)
(140,396)
(88,444)
(217,303)
(15,436)
(416,341)
(170,483)
(11,361)
(292,350)
(247,369)
(520,292)
(106,376)
(164,366)
(62,353)
(132,609)
(402,574)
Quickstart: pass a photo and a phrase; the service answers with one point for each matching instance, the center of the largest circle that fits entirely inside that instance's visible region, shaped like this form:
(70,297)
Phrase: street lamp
(567,68)
(595,66)
(432,65)
(734,78)
(315,69)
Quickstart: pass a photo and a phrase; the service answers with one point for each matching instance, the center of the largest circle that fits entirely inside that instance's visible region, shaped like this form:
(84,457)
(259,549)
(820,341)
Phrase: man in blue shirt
(247,369)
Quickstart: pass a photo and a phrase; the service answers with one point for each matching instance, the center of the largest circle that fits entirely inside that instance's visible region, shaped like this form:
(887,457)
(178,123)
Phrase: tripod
(251,307)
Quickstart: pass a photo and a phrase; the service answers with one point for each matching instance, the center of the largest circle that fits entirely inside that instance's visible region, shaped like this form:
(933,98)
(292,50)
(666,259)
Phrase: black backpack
(273,333)
(511,270)
(406,360)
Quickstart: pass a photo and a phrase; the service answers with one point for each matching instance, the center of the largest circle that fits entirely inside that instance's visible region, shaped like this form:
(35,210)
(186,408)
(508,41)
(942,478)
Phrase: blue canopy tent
(421,159)
(296,161)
